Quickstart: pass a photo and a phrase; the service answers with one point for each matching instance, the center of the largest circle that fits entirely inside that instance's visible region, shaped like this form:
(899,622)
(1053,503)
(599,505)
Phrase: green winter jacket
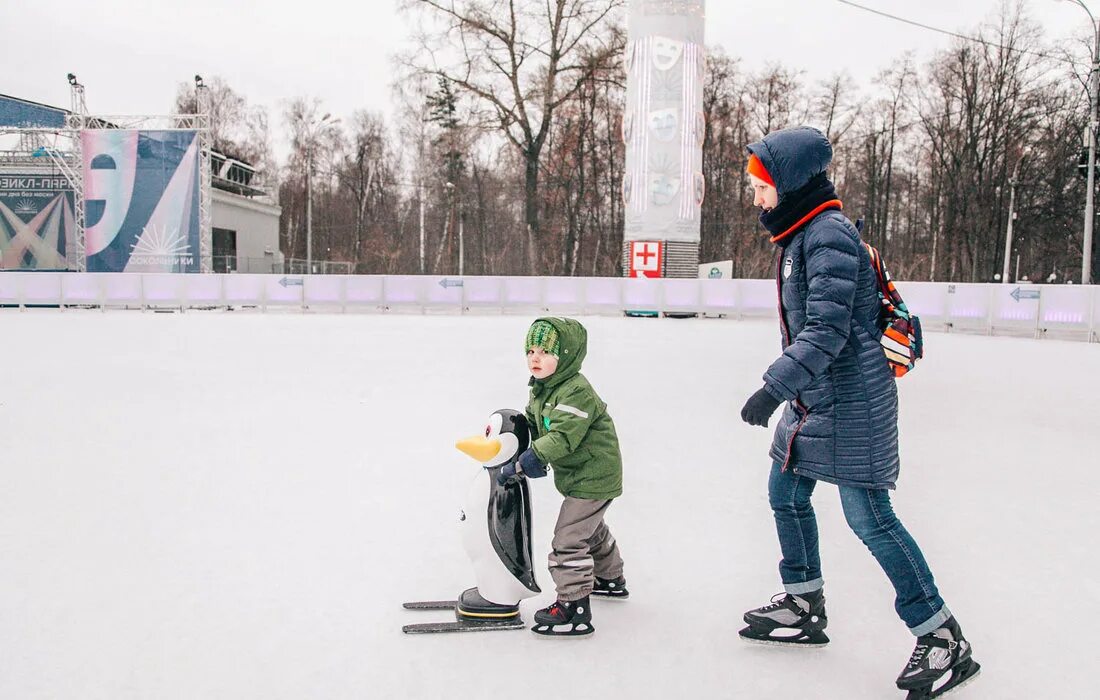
(573,432)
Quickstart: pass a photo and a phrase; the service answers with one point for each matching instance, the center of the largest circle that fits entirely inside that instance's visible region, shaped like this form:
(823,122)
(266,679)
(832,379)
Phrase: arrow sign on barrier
(288,282)
(1019,294)
(445,283)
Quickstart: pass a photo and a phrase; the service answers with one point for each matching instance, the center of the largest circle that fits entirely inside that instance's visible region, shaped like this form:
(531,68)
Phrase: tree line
(505,149)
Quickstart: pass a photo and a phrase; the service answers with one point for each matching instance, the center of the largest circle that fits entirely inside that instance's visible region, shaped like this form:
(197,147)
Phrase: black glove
(759,408)
(507,474)
(527,463)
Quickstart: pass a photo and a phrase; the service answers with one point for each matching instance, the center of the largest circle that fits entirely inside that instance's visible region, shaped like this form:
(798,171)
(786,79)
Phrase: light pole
(1094,97)
(1011,216)
(312,132)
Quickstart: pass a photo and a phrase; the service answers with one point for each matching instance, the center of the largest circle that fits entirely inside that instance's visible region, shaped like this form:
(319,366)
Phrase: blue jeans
(871,517)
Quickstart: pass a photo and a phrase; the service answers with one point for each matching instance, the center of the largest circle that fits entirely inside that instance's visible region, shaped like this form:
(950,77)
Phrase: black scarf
(795,205)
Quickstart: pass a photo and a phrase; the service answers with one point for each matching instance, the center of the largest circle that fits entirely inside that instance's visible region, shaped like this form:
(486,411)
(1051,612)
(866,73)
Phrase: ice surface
(235,506)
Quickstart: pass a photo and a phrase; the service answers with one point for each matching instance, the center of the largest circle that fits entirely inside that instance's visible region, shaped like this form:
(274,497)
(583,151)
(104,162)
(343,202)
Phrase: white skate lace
(779,600)
(918,654)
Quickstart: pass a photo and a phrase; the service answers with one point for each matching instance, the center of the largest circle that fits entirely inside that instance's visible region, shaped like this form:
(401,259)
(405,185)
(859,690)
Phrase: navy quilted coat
(840,423)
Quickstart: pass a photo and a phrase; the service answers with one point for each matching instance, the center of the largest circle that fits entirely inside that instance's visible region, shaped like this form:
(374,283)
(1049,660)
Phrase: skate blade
(430,605)
(789,645)
(444,627)
(974,671)
(608,596)
(548,632)
(820,640)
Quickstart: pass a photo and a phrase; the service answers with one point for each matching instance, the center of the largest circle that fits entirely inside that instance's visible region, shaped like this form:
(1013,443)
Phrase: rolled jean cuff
(808,587)
(932,623)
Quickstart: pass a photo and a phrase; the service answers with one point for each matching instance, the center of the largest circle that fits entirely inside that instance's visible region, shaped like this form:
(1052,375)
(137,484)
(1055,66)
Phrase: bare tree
(518,63)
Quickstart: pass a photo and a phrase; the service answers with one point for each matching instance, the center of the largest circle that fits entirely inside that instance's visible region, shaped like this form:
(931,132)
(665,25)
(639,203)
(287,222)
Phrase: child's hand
(530,464)
(509,473)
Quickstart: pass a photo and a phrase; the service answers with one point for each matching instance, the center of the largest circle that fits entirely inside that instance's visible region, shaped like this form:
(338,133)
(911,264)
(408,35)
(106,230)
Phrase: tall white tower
(663,128)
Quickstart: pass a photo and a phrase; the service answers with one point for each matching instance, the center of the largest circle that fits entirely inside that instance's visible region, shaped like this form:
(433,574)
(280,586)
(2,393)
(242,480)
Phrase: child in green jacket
(572,433)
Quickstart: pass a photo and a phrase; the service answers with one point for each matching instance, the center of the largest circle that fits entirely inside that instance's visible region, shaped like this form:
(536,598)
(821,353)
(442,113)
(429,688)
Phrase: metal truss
(201,124)
(64,148)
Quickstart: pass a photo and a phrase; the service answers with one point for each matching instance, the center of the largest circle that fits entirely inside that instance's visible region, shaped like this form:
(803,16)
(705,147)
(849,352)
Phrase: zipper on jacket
(787,341)
(779,293)
(790,441)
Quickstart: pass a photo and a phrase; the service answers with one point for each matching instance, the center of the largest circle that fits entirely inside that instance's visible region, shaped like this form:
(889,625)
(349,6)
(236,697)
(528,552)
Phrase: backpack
(899,331)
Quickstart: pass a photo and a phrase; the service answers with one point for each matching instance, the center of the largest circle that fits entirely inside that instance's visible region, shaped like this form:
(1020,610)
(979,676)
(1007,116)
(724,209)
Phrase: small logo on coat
(788,266)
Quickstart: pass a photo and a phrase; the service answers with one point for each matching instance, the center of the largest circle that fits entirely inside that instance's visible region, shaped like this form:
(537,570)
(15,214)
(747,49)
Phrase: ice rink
(215,505)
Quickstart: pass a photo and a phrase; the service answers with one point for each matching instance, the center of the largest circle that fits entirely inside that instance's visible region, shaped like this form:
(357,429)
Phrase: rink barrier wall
(1065,311)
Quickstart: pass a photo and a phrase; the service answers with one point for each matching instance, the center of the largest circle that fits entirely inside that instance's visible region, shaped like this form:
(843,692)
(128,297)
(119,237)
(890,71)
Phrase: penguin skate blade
(440,627)
(430,605)
(811,640)
(961,676)
(566,631)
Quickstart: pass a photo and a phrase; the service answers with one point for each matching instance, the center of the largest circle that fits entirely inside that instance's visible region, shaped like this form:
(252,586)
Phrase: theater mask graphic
(141,200)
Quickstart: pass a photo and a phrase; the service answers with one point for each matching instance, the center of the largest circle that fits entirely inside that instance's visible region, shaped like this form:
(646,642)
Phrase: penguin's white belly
(494,580)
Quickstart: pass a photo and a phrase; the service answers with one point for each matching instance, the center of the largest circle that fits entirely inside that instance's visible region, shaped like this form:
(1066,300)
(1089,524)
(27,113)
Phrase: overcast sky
(131,54)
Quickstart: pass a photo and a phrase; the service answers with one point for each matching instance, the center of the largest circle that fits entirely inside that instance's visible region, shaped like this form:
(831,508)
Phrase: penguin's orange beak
(480,448)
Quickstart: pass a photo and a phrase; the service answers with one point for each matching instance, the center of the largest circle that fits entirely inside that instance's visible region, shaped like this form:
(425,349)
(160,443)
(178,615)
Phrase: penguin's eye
(488,430)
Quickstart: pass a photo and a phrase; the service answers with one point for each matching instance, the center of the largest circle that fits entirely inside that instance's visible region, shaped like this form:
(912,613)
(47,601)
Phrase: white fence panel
(927,300)
(365,292)
(121,289)
(1014,309)
(718,296)
(203,290)
(968,307)
(603,295)
(759,299)
(79,290)
(642,294)
(681,296)
(402,292)
(484,292)
(40,287)
(563,295)
(163,290)
(1061,310)
(523,294)
(1065,310)
(244,290)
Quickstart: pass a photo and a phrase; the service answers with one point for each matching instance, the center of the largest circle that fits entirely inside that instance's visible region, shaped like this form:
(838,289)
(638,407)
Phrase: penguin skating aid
(498,544)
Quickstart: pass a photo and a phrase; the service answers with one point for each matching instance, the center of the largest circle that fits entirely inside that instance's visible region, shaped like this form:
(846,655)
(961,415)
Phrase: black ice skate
(790,620)
(940,663)
(564,619)
(614,588)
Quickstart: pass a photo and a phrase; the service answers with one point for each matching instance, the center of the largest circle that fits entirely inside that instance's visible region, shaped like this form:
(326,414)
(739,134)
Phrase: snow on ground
(217,505)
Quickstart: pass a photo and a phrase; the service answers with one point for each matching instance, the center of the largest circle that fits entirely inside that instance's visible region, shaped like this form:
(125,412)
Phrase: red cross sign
(645,259)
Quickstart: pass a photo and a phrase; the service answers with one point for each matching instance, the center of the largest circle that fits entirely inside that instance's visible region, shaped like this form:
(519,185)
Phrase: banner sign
(645,258)
(141,200)
(663,120)
(36,220)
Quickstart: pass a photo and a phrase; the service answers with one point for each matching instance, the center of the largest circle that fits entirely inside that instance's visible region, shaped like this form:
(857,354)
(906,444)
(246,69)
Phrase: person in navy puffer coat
(840,423)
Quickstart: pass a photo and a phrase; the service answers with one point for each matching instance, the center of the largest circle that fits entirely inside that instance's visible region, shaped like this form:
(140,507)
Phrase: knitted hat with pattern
(542,334)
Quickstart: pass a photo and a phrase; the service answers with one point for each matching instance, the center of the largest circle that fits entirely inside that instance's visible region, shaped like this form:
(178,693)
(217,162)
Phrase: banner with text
(141,199)
(36,220)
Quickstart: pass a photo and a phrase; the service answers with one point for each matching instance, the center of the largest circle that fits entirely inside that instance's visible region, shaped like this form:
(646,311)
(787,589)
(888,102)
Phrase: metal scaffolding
(206,214)
(64,148)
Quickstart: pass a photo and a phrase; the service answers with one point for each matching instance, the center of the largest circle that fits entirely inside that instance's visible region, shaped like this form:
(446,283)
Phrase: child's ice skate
(613,588)
(564,619)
